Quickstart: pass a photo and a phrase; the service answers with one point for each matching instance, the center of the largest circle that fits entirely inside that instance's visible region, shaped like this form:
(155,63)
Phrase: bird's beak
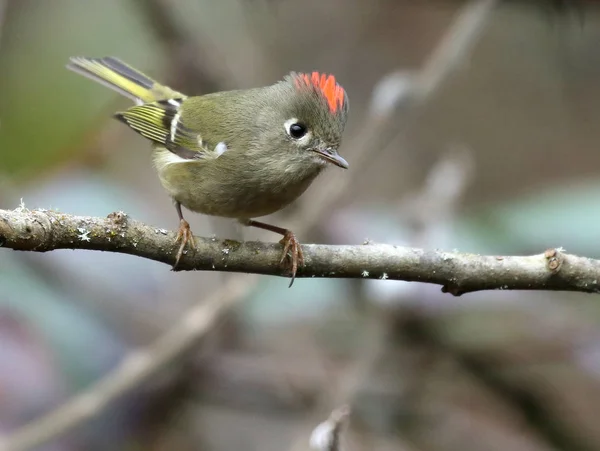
(332,156)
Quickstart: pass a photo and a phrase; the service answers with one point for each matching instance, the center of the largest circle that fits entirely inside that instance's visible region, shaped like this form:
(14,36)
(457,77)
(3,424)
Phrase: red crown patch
(333,93)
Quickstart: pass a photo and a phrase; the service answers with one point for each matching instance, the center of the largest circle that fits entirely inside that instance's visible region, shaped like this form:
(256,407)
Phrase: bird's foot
(292,256)
(184,234)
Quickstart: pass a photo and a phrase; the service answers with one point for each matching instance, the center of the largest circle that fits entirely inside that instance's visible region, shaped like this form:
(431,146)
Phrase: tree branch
(458,273)
(134,370)
(179,45)
(326,436)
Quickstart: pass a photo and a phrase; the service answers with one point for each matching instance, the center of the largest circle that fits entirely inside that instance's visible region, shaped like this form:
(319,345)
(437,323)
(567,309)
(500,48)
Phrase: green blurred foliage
(45,110)
(564,215)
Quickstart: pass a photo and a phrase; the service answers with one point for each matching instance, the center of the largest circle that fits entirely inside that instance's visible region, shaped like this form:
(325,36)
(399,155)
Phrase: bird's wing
(161,123)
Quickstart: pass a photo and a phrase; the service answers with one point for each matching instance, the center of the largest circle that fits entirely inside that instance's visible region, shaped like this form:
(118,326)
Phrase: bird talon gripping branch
(215,155)
(292,256)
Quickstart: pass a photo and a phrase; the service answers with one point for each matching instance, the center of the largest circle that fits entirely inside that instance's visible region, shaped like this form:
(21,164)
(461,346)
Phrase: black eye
(297,130)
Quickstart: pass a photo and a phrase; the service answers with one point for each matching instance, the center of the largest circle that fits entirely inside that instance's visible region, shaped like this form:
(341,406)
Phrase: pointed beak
(333,157)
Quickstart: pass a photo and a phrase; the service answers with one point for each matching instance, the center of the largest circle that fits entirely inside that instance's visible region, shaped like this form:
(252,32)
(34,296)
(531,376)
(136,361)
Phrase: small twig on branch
(326,436)
(458,273)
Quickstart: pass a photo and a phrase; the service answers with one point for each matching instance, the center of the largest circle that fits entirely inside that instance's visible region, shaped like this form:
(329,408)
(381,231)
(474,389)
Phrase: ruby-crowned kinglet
(237,154)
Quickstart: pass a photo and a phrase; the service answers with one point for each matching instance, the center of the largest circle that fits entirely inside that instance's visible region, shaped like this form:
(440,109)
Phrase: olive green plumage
(239,154)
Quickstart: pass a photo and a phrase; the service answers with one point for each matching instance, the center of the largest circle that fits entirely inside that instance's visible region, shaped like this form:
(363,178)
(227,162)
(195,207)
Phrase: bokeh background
(485,141)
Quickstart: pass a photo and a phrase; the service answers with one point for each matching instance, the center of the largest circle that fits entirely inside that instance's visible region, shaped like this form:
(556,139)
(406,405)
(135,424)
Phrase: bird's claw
(184,234)
(292,254)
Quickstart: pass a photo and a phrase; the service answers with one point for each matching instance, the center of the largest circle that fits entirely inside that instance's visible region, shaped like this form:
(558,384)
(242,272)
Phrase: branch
(179,45)
(458,273)
(326,436)
(135,369)
(420,88)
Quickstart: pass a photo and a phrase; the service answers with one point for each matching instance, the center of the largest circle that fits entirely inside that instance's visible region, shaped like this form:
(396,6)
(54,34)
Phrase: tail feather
(124,79)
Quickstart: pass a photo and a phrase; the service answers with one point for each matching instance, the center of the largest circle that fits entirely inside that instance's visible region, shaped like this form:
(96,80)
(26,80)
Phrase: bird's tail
(122,78)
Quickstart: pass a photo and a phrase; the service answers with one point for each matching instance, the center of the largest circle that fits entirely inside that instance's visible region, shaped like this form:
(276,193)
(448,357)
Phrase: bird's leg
(292,252)
(184,234)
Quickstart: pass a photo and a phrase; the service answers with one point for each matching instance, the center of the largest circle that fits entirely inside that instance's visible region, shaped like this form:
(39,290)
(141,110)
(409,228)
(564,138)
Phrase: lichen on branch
(456,272)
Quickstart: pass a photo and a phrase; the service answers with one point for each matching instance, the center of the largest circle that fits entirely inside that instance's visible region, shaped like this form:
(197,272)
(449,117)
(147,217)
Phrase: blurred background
(472,128)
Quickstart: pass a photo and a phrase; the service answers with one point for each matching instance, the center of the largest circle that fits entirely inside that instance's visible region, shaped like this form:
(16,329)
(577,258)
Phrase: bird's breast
(236,185)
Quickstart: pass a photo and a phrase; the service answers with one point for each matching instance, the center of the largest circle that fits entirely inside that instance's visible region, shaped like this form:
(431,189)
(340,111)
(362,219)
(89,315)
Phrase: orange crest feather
(333,93)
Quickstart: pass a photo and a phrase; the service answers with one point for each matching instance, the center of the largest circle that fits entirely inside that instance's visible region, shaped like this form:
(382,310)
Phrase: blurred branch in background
(327,435)
(519,390)
(135,369)
(397,99)
(458,273)
(187,58)
(206,314)
(429,208)
(401,95)
(435,204)
(491,363)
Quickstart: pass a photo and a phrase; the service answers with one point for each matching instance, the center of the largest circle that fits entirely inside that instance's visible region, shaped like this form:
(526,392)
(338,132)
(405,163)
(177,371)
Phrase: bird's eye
(297,130)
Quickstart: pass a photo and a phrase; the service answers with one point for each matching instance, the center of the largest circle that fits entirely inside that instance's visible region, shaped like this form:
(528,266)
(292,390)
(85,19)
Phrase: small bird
(238,154)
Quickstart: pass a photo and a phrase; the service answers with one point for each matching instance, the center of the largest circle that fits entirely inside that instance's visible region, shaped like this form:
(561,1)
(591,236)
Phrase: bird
(238,154)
